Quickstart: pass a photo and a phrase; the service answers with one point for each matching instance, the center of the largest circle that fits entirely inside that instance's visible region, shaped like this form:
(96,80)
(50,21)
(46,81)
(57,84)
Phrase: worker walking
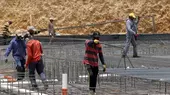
(18,48)
(34,59)
(6,32)
(131,29)
(93,50)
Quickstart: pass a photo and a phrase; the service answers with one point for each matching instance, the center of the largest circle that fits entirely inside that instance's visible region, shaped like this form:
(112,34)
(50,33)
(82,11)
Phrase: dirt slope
(78,12)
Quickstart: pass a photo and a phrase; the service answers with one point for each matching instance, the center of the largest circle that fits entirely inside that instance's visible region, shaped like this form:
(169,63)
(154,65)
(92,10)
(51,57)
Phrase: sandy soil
(73,12)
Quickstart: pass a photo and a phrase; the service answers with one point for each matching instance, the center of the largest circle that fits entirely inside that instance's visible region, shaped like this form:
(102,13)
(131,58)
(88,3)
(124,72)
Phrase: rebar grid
(66,57)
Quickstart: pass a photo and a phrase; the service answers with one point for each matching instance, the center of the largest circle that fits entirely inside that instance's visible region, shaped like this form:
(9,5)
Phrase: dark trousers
(93,73)
(20,69)
(5,39)
(39,67)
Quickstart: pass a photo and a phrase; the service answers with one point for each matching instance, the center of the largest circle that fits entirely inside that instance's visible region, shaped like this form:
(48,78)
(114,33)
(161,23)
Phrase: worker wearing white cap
(130,35)
(51,29)
(18,48)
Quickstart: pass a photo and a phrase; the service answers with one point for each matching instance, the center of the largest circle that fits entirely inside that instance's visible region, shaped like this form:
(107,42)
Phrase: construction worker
(93,50)
(130,35)
(51,29)
(34,59)
(6,32)
(18,48)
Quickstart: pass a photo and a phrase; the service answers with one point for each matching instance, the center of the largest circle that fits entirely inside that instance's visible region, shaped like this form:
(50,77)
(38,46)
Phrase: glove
(104,67)
(96,41)
(136,35)
(6,60)
(26,68)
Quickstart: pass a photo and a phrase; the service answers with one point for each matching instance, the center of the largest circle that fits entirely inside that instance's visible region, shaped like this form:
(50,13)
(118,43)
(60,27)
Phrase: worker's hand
(6,60)
(96,41)
(26,68)
(136,35)
(104,67)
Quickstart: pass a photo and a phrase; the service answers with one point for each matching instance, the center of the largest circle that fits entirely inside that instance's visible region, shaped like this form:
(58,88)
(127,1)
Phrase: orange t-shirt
(34,51)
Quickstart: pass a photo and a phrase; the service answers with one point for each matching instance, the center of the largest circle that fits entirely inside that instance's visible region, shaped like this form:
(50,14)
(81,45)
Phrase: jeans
(20,68)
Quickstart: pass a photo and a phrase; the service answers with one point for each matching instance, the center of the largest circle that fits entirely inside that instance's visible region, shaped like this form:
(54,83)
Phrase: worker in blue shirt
(18,48)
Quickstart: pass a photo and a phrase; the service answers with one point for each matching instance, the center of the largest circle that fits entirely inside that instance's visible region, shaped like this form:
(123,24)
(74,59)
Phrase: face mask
(19,37)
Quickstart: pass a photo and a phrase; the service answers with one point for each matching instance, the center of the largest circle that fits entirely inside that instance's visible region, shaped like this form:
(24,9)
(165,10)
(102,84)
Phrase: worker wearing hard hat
(34,59)
(18,48)
(130,35)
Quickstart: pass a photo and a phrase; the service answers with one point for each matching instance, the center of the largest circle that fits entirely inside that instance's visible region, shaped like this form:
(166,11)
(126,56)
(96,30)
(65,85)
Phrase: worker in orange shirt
(34,59)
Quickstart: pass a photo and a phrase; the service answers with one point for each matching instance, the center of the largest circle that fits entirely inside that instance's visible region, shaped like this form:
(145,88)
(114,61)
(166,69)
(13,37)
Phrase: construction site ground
(154,54)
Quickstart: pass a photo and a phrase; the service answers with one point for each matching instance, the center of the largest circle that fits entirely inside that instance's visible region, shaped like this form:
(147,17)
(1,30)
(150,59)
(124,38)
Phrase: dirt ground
(69,13)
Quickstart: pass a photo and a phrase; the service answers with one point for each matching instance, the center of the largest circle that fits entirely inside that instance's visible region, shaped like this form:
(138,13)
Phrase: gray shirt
(51,29)
(130,28)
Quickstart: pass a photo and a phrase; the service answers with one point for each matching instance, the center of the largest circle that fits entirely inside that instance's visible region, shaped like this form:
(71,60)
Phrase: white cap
(51,18)
(31,28)
(19,32)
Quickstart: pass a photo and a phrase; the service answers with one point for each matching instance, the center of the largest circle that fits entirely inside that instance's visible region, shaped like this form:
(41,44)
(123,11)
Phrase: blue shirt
(18,48)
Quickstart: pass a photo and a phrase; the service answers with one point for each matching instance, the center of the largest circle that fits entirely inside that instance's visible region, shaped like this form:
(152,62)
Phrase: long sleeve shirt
(18,48)
(6,31)
(92,51)
(130,28)
(135,28)
(34,51)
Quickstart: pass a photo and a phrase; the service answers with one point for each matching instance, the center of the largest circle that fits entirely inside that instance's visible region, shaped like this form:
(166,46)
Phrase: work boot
(34,84)
(45,84)
(123,56)
(34,87)
(19,79)
(91,92)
